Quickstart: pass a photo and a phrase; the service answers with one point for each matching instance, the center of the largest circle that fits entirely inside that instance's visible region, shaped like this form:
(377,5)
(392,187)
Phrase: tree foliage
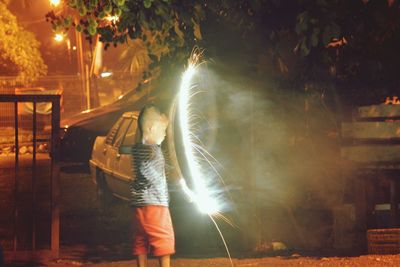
(166,27)
(307,39)
(350,44)
(19,49)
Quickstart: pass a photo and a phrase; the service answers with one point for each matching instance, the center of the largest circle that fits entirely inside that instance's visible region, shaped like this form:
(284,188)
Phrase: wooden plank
(390,168)
(371,130)
(371,153)
(379,111)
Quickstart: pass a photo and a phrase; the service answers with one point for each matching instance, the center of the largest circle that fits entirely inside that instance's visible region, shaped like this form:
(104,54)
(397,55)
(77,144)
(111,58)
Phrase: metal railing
(16,253)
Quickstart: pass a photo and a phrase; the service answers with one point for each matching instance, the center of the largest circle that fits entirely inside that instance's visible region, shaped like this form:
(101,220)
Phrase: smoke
(277,152)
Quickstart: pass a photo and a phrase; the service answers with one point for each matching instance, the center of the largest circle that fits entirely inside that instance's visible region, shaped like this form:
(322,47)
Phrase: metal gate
(29,180)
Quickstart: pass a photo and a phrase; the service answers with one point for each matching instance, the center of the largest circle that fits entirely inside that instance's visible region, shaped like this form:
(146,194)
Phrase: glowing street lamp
(55,2)
(112,19)
(106,74)
(59,37)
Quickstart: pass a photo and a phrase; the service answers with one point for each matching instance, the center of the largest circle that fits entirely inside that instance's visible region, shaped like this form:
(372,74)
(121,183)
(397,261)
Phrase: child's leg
(164,261)
(142,260)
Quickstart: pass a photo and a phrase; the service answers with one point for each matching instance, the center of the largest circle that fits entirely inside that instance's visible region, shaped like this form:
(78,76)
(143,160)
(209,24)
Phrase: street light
(59,37)
(82,68)
(55,2)
(113,19)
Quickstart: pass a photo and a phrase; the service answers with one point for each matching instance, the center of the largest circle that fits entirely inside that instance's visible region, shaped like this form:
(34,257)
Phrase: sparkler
(200,195)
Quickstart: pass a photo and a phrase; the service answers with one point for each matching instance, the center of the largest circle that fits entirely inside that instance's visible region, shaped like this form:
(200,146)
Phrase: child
(152,226)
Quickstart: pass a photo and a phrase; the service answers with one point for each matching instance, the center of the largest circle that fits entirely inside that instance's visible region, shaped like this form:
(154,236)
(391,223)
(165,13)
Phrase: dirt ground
(295,260)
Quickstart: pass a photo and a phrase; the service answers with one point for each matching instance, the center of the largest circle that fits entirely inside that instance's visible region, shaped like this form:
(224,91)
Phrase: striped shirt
(150,184)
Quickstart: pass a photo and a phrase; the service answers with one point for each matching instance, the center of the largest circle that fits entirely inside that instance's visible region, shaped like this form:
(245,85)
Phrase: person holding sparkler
(152,225)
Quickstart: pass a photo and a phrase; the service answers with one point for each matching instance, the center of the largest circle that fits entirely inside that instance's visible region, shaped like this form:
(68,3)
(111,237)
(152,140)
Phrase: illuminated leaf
(147,3)
(19,49)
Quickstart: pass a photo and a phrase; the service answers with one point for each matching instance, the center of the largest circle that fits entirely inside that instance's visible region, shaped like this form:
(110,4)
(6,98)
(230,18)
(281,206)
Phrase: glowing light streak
(201,197)
(192,145)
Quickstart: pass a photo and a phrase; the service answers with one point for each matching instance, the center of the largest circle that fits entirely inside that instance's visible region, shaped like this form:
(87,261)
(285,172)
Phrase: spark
(223,239)
(201,197)
(192,146)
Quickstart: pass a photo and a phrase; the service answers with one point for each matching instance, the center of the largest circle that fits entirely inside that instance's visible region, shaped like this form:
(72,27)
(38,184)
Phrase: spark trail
(201,193)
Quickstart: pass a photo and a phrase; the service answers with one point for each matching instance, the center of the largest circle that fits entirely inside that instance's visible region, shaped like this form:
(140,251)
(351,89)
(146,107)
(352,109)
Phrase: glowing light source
(105,74)
(55,2)
(59,37)
(201,195)
(113,18)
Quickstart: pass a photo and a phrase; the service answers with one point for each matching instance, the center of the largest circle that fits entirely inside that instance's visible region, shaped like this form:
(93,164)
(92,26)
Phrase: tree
(166,27)
(349,44)
(19,50)
(340,41)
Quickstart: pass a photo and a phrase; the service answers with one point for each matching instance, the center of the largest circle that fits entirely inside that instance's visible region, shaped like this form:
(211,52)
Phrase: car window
(121,131)
(130,134)
(112,132)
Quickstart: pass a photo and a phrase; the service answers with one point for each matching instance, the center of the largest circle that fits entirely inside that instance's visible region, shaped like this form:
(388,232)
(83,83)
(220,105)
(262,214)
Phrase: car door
(123,170)
(113,154)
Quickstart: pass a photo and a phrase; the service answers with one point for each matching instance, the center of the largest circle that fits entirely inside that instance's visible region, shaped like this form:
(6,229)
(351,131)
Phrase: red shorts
(152,231)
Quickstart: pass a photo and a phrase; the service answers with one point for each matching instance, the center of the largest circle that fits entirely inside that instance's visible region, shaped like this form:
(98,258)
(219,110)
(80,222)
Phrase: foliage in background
(166,27)
(296,41)
(352,44)
(134,58)
(19,49)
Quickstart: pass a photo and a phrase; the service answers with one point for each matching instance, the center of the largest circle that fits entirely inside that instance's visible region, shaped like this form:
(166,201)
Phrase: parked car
(78,132)
(110,165)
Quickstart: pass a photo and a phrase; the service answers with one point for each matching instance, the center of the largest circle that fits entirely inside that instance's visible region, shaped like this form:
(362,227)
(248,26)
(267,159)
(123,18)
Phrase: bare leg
(142,260)
(165,261)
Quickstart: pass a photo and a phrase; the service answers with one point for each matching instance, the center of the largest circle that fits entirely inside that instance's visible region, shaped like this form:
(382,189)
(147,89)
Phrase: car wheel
(104,195)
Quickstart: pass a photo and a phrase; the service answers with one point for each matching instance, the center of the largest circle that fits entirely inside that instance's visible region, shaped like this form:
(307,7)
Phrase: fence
(72,101)
(73,98)
(29,225)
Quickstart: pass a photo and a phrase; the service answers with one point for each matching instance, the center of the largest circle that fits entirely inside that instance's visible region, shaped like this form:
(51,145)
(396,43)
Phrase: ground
(370,260)
(94,237)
